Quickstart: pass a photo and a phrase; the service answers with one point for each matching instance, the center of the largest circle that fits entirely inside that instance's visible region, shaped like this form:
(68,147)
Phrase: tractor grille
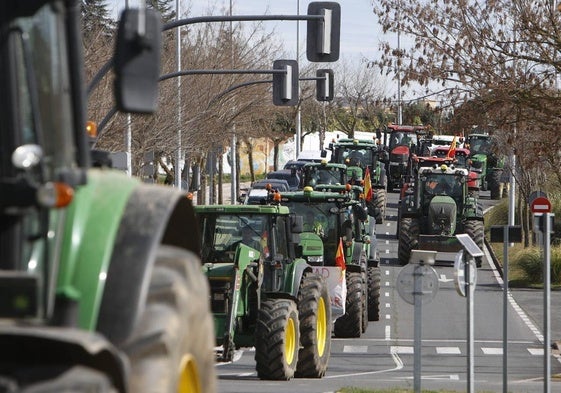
(442,218)
(398,157)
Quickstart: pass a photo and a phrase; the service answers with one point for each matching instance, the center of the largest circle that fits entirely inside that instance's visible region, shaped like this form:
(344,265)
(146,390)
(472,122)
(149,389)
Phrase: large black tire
(314,312)
(277,339)
(381,205)
(494,183)
(364,302)
(171,348)
(475,230)
(408,239)
(349,325)
(374,285)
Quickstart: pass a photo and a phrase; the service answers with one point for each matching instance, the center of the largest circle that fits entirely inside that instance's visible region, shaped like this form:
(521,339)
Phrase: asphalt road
(384,355)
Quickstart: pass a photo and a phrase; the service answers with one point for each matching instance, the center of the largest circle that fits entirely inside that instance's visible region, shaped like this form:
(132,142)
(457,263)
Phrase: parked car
(289,175)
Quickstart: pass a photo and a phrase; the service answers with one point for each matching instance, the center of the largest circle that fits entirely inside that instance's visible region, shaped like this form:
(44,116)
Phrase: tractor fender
(357,263)
(154,215)
(294,273)
(57,347)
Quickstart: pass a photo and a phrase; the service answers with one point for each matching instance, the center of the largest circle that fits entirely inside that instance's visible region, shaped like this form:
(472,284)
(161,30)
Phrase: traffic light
(285,84)
(323,37)
(324,85)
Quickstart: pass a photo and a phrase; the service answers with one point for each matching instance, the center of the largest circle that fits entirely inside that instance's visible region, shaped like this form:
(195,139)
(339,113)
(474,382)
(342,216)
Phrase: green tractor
(263,292)
(101,287)
(435,208)
(358,155)
(338,218)
(486,162)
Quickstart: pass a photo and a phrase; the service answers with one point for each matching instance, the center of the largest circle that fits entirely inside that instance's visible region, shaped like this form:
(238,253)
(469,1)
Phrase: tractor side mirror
(137,60)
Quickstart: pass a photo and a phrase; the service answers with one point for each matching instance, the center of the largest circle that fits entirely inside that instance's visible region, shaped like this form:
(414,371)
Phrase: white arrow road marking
(444,279)
(395,357)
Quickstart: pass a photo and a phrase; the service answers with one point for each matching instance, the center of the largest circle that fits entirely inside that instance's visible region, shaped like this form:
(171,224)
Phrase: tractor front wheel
(475,230)
(408,239)
(349,325)
(277,337)
(171,347)
(374,279)
(314,311)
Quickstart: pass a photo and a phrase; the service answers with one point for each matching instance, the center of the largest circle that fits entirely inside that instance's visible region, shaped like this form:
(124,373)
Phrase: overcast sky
(359,30)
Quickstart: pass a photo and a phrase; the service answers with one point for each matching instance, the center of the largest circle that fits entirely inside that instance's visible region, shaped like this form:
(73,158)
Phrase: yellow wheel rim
(321,329)
(290,341)
(189,381)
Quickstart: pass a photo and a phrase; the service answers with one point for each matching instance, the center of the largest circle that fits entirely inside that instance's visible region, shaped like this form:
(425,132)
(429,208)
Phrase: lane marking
(387,284)
(492,351)
(387,332)
(536,351)
(444,279)
(355,348)
(511,300)
(448,350)
(399,349)
(388,305)
(388,316)
(386,294)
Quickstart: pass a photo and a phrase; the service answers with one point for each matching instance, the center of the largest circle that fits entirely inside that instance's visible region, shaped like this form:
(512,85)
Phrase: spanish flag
(452,149)
(340,256)
(367,186)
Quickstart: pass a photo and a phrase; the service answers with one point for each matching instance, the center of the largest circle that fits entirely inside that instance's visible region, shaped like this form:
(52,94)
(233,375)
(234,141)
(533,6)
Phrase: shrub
(529,260)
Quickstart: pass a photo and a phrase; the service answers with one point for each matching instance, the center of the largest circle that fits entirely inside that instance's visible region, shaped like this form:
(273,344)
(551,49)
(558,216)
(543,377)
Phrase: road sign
(541,205)
(406,283)
(460,276)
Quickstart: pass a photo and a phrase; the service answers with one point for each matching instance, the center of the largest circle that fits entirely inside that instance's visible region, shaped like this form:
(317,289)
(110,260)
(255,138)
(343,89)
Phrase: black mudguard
(154,215)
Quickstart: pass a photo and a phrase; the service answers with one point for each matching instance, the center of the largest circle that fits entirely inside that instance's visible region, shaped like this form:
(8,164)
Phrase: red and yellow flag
(452,149)
(340,256)
(367,186)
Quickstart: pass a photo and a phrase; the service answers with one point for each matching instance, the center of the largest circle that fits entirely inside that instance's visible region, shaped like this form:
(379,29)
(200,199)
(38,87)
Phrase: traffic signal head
(324,85)
(285,84)
(323,37)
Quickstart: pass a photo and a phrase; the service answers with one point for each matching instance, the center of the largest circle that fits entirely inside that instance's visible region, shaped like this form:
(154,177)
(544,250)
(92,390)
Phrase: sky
(359,29)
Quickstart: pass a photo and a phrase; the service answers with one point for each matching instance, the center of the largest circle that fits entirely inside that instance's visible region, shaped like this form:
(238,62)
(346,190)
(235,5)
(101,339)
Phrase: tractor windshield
(443,184)
(316,175)
(354,156)
(319,219)
(222,233)
(479,145)
(399,138)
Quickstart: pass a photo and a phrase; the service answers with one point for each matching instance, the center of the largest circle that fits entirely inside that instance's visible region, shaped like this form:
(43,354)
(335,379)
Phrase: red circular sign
(541,205)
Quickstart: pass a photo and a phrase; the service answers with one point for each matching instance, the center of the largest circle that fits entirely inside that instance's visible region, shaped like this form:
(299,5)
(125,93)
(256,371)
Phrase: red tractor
(401,141)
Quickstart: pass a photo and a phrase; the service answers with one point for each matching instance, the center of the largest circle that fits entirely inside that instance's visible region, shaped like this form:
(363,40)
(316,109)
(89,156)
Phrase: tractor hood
(400,150)
(219,271)
(442,216)
(478,161)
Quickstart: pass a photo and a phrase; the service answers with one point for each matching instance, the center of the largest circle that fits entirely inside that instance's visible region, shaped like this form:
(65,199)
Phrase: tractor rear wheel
(277,338)
(171,347)
(381,205)
(475,230)
(349,325)
(374,279)
(408,239)
(314,312)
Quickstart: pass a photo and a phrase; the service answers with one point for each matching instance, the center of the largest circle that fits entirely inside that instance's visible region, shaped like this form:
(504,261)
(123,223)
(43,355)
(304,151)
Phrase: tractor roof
(355,142)
(325,164)
(444,169)
(242,209)
(314,196)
